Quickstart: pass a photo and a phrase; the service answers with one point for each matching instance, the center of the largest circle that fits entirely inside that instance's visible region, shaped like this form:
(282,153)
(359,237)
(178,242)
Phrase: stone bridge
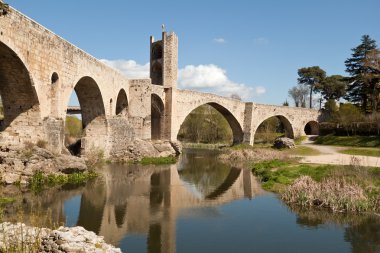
(39,71)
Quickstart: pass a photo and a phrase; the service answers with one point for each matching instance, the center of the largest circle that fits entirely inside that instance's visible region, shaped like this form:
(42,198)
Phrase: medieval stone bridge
(39,71)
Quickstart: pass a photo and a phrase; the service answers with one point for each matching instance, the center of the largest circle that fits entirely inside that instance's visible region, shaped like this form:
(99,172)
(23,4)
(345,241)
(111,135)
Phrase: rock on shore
(63,239)
(19,164)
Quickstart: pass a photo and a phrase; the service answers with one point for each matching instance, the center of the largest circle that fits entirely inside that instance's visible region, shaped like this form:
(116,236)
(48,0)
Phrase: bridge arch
(21,105)
(90,99)
(311,128)
(237,131)
(92,110)
(157,117)
(122,103)
(288,127)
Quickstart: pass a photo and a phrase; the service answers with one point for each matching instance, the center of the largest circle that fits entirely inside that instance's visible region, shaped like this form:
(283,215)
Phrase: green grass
(303,151)
(354,141)
(6,200)
(275,175)
(247,146)
(39,181)
(158,160)
(362,151)
(300,139)
(204,145)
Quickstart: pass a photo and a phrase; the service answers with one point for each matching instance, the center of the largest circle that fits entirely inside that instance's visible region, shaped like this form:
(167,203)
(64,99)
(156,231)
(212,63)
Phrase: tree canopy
(361,88)
(313,77)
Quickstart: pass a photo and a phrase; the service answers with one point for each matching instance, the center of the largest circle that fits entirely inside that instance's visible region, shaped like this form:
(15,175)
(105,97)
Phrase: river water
(198,205)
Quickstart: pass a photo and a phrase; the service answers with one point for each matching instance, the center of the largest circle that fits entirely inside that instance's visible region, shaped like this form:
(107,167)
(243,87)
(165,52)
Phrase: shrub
(41,143)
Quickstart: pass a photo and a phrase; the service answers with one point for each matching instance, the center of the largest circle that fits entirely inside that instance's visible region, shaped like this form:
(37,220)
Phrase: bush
(41,144)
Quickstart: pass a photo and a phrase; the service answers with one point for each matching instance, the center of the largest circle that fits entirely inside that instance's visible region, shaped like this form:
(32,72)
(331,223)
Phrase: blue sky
(251,47)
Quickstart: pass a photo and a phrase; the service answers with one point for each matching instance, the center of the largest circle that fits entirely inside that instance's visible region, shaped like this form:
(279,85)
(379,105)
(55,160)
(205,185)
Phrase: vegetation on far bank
(338,188)
(39,181)
(362,151)
(158,160)
(354,141)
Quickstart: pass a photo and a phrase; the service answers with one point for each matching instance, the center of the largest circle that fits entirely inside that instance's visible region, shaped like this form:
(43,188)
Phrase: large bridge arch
(21,105)
(287,124)
(93,114)
(237,131)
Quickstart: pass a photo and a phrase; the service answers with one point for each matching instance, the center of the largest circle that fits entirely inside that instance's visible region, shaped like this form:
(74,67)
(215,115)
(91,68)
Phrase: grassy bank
(204,145)
(158,160)
(339,188)
(362,151)
(39,181)
(354,141)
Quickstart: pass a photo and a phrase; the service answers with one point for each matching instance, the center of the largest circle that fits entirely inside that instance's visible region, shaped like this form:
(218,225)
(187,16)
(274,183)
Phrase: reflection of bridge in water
(148,202)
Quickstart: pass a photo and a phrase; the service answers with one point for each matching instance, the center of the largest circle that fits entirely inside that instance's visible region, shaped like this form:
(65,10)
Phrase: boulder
(284,142)
(68,164)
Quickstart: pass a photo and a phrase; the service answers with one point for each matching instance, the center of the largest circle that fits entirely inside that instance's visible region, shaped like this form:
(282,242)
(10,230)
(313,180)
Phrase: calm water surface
(198,205)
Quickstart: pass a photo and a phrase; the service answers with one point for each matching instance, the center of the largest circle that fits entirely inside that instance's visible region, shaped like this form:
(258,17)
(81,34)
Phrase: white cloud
(260,90)
(205,78)
(261,41)
(211,78)
(220,40)
(130,68)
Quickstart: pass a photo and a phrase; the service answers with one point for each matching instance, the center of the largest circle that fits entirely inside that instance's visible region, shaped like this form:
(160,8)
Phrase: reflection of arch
(19,97)
(90,99)
(237,131)
(157,117)
(156,52)
(285,122)
(312,128)
(122,103)
(226,185)
(157,74)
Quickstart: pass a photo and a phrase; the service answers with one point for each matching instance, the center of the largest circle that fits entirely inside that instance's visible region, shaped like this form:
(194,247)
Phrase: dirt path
(330,155)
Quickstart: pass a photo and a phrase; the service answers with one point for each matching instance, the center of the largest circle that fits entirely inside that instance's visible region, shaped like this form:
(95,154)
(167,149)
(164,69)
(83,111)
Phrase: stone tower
(164,60)
(163,72)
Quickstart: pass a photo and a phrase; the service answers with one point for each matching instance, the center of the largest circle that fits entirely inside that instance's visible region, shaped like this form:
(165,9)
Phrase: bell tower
(164,60)
(163,72)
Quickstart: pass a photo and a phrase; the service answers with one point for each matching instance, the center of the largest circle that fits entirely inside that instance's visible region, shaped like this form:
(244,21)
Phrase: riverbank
(21,238)
(18,165)
(347,187)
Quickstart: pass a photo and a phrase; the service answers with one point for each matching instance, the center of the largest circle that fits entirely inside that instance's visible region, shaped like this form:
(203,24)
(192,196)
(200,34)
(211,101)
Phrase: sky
(249,47)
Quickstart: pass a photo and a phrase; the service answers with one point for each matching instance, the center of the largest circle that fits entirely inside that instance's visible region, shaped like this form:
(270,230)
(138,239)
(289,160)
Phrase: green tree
(313,77)
(372,78)
(334,87)
(349,115)
(359,87)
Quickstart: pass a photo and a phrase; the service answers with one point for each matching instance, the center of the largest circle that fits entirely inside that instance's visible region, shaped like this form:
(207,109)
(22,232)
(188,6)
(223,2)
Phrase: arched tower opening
(273,127)
(157,117)
(21,111)
(211,123)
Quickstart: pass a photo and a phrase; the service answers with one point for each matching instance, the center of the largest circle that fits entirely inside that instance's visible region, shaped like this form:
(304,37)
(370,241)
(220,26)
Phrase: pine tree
(358,87)
(313,77)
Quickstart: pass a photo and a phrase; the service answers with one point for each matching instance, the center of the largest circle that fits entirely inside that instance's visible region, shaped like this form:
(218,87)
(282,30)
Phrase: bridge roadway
(39,71)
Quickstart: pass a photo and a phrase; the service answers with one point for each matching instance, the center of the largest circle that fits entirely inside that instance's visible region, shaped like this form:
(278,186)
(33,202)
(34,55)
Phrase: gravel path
(330,155)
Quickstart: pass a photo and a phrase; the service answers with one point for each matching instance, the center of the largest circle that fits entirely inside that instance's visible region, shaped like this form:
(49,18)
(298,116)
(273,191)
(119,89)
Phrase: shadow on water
(151,208)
